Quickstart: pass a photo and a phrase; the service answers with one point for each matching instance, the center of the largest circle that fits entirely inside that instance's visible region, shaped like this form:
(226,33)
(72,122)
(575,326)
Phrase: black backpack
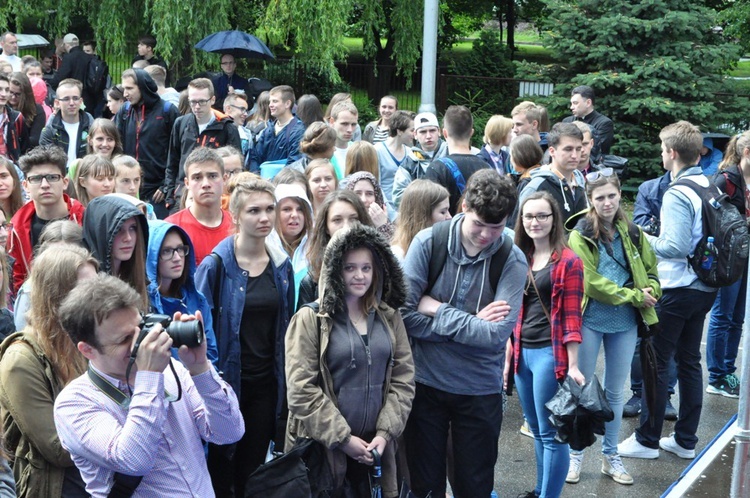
(440,232)
(97,73)
(723,222)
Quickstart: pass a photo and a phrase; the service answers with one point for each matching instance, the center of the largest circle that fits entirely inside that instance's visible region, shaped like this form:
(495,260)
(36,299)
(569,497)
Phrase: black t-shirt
(438,172)
(536,332)
(258,328)
(37,225)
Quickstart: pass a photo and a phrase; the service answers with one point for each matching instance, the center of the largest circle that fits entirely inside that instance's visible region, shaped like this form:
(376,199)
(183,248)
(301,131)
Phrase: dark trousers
(475,428)
(258,408)
(681,315)
(160,209)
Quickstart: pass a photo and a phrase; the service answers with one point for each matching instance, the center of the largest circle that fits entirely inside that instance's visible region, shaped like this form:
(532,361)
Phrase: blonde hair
(362,156)
(53,275)
(734,150)
(243,185)
(497,129)
(92,165)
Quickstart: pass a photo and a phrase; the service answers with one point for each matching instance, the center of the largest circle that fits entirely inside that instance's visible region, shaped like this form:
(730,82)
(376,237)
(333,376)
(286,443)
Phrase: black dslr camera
(188,333)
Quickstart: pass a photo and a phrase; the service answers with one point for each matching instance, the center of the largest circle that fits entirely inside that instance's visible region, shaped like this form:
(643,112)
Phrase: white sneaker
(613,467)
(669,444)
(526,430)
(574,470)
(631,448)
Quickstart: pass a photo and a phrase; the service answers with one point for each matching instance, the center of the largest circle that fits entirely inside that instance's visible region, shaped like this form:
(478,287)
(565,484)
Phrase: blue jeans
(536,384)
(725,329)
(618,349)
(682,312)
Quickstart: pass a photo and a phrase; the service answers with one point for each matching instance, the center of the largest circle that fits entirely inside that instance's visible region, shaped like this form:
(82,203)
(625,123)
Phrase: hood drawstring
(455,284)
(565,199)
(481,289)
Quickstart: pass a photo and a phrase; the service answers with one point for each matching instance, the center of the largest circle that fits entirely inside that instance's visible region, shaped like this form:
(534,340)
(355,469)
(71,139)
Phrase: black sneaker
(670,413)
(728,386)
(632,408)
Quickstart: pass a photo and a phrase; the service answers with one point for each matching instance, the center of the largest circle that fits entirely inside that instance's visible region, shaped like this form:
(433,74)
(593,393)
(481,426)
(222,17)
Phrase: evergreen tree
(650,62)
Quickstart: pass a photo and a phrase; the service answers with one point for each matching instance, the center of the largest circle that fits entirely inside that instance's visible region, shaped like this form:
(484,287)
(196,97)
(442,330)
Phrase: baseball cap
(425,119)
(70,38)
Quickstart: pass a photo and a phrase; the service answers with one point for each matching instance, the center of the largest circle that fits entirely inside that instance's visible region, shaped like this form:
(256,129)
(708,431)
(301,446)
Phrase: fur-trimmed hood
(392,289)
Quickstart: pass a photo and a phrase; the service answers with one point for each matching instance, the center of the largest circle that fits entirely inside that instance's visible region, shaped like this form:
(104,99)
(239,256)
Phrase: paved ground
(515,472)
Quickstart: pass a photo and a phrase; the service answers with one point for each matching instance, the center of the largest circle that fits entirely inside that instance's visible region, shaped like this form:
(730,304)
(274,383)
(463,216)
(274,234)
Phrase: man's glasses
(68,99)
(199,103)
(37,179)
(602,173)
(168,253)
(243,110)
(541,217)
(228,63)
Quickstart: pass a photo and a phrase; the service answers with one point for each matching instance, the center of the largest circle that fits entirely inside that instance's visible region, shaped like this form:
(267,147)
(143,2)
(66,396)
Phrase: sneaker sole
(617,479)
(678,452)
(573,481)
(713,390)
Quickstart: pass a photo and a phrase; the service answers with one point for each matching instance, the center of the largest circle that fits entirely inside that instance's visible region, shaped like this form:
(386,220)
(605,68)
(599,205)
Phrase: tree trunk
(380,85)
(510,17)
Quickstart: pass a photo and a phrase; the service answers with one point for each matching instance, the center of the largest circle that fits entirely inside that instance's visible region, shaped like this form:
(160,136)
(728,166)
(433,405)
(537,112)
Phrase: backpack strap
(440,233)
(458,177)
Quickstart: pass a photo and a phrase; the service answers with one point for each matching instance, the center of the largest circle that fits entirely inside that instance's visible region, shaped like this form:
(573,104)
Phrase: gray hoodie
(455,351)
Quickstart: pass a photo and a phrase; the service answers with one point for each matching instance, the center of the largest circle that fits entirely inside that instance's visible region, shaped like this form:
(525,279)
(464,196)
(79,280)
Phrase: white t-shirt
(14,60)
(72,130)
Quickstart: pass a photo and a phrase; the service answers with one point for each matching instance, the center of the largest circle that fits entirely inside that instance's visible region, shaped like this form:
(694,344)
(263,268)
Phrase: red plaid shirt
(567,294)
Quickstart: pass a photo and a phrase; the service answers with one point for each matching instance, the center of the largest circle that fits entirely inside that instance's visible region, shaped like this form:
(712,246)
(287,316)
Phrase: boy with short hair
(344,120)
(205,221)
(44,168)
(459,329)
(280,141)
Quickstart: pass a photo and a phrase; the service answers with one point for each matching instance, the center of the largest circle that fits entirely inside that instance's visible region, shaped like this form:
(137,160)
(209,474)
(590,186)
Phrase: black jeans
(681,315)
(475,428)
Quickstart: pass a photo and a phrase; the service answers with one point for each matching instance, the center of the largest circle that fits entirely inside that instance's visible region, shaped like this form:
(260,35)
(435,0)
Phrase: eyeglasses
(168,253)
(37,179)
(602,173)
(243,110)
(231,173)
(68,99)
(541,217)
(15,94)
(228,63)
(8,227)
(199,103)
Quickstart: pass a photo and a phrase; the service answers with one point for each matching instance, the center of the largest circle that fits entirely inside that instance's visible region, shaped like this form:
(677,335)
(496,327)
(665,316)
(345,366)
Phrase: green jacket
(28,388)
(642,262)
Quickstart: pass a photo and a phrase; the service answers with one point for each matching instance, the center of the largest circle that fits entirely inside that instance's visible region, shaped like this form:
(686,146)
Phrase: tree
(737,20)
(651,63)
(177,26)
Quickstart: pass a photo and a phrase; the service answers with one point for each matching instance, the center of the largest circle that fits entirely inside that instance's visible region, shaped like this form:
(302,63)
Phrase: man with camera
(130,423)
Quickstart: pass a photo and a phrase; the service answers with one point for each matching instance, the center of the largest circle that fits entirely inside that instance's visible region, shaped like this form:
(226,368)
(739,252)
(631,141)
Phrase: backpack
(458,177)
(440,232)
(722,221)
(97,73)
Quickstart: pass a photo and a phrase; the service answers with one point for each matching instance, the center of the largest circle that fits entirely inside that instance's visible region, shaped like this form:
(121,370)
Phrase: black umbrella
(650,375)
(236,43)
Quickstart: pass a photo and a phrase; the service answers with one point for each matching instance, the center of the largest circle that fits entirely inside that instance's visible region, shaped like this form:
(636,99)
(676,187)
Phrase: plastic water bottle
(709,254)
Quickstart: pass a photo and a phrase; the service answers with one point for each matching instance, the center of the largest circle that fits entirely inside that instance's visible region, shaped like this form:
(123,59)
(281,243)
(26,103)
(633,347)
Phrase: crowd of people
(377,290)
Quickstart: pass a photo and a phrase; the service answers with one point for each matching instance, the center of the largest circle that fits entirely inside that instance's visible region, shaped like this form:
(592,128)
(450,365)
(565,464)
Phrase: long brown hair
(53,275)
(291,245)
(556,235)
(317,242)
(415,213)
(91,166)
(109,129)
(362,156)
(734,150)
(601,232)
(15,201)
(26,102)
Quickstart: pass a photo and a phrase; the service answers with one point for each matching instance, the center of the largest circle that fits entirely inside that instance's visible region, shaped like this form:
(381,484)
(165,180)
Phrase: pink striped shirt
(153,438)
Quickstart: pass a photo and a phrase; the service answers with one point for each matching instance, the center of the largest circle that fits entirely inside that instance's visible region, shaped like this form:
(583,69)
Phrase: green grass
(742,70)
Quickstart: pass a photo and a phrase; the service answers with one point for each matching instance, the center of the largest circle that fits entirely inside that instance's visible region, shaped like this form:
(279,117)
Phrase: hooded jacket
(387,229)
(103,219)
(570,201)
(455,351)
(273,147)
(231,302)
(19,241)
(145,129)
(414,167)
(54,133)
(28,388)
(313,406)
(641,261)
(191,297)
(185,138)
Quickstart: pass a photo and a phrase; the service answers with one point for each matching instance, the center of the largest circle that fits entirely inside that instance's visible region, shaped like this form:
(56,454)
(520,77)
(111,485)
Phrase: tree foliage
(177,26)
(651,63)
(737,21)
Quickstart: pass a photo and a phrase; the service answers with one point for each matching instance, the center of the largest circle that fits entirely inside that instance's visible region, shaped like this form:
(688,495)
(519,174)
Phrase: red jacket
(567,294)
(19,242)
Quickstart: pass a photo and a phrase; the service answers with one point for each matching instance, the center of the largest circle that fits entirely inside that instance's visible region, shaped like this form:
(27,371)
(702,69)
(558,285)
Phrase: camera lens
(188,333)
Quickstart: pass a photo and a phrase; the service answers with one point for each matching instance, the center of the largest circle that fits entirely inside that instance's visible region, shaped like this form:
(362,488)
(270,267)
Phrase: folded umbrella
(650,376)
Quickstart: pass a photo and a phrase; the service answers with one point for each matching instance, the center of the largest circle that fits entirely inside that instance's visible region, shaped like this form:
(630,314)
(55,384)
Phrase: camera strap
(116,394)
